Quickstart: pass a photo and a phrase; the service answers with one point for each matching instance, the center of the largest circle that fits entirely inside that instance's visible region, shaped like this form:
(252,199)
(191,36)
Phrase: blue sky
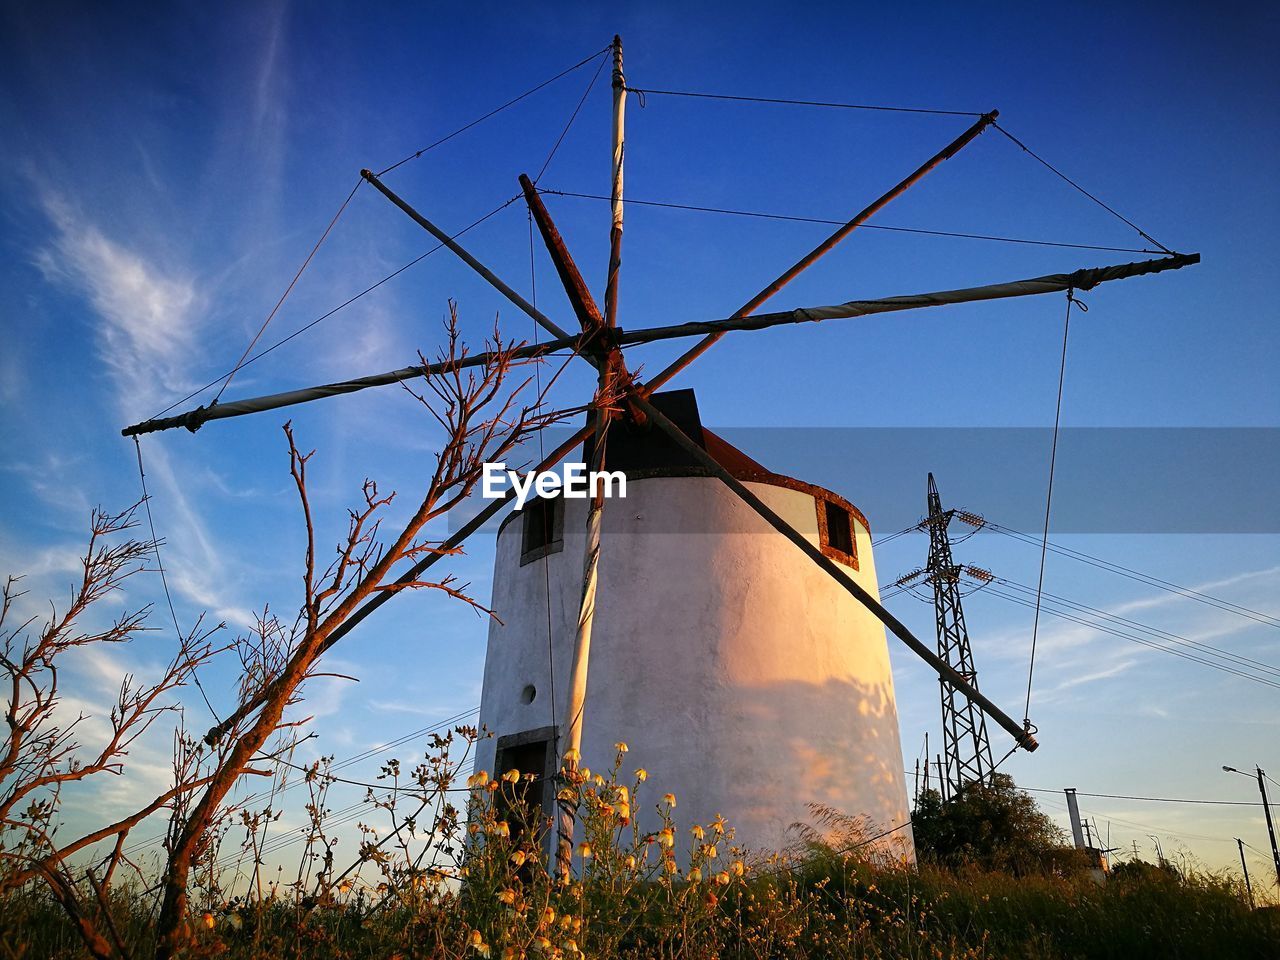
(168,171)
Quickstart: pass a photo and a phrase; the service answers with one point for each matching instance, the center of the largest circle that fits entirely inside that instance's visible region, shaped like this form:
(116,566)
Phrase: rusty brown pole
(821,249)
(580,298)
(944,669)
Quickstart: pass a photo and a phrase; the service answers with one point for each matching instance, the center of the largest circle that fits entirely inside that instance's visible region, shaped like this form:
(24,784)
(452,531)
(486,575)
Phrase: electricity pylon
(966,750)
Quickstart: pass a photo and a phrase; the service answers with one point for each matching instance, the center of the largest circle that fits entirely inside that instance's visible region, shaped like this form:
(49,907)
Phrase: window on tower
(543,531)
(835,532)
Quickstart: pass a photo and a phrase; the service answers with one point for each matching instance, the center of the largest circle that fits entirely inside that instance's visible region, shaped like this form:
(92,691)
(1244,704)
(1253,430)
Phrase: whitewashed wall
(743,678)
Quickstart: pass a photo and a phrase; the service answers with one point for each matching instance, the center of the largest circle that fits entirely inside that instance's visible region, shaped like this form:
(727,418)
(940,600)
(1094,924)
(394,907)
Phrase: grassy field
(684,892)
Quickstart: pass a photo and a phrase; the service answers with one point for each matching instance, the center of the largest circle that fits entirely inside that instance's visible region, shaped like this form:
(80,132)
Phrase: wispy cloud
(147,314)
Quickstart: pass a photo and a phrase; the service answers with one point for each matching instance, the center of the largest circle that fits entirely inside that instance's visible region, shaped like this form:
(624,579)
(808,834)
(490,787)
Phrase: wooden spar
(539,317)
(1053,283)
(580,298)
(410,575)
(1084,279)
(619,146)
(570,733)
(823,248)
(193,420)
(944,669)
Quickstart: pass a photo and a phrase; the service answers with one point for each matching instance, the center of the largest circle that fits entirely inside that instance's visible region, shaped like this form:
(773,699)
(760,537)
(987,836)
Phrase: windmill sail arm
(1085,279)
(193,420)
(947,672)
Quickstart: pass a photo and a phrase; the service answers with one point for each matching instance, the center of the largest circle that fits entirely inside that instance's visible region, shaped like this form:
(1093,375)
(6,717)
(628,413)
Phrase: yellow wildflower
(624,813)
(584,850)
(667,837)
(631,863)
(623,793)
(738,868)
(548,915)
(694,875)
(669,799)
(642,774)
(697,832)
(507,896)
(478,779)
(572,755)
(511,776)
(621,747)
(518,858)
(208,920)
(722,878)
(710,850)
(502,829)
(669,866)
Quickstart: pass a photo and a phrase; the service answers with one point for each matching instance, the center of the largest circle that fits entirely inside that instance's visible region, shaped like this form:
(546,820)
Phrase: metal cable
(645,92)
(1142,233)
(493,112)
(164,580)
(287,290)
(866,226)
(1048,499)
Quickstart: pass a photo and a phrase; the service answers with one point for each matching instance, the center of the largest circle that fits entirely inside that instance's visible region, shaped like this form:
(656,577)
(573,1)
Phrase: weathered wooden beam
(821,249)
(584,305)
(1085,279)
(494,280)
(896,627)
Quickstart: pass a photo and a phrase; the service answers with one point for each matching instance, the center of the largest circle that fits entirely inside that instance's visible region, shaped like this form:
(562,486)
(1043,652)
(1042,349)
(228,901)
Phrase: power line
(1102,628)
(646,92)
(1120,796)
(866,226)
(1132,574)
(1154,631)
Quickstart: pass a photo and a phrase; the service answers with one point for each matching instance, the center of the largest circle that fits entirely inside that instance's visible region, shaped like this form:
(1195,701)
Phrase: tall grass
(681,891)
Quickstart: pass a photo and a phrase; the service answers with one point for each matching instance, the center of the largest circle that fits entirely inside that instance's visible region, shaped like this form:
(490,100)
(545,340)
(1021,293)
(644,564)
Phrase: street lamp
(1266,809)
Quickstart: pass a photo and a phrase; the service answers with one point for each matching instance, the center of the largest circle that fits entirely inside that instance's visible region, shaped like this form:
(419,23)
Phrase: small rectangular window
(836,529)
(543,531)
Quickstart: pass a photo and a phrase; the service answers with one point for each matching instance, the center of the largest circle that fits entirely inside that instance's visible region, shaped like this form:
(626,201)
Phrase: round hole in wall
(528,694)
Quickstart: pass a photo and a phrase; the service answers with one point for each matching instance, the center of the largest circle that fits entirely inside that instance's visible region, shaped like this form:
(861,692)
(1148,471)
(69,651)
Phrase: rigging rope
(510,103)
(287,290)
(346,303)
(1048,499)
(1142,233)
(572,117)
(644,92)
(866,226)
(164,580)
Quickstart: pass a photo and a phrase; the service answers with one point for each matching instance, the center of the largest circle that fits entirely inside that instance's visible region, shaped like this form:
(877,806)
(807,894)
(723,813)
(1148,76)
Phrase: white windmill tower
(743,678)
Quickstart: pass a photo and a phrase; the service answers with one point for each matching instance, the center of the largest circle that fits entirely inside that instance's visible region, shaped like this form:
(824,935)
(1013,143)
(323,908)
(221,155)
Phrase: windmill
(600,342)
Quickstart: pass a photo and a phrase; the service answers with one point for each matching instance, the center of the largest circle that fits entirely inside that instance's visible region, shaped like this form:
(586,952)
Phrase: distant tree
(993,825)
